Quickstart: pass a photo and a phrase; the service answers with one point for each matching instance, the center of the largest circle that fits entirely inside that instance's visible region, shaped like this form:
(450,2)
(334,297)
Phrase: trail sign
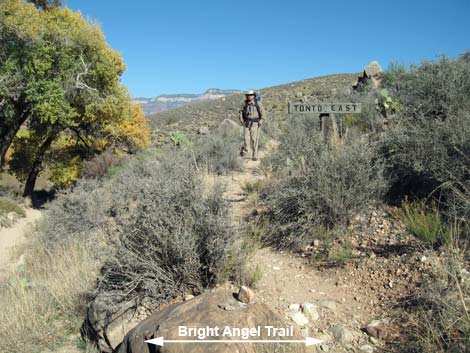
(308,341)
(324,108)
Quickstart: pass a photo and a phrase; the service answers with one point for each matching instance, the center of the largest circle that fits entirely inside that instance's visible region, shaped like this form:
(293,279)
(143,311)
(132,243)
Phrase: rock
(342,334)
(203,130)
(294,307)
(381,329)
(310,311)
(328,304)
(235,305)
(188,297)
(204,310)
(373,69)
(298,318)
(107,322)
(366,349)
(246,295)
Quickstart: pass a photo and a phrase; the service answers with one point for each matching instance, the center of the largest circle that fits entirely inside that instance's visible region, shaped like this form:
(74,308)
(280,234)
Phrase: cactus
(385,104)
(179,139)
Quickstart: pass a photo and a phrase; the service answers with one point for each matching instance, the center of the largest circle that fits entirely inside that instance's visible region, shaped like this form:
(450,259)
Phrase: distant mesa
(170,101)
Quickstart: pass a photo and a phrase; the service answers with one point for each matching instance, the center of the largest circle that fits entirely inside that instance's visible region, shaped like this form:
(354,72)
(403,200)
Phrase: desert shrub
(99,165)
(77,212)
(172,234)
(428,142)
(441,310)
(7,205)
(318,184)
(218,152)
(10,187)
(424,222)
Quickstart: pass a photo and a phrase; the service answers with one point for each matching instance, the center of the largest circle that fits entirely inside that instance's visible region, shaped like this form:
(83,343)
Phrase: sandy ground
(13,236)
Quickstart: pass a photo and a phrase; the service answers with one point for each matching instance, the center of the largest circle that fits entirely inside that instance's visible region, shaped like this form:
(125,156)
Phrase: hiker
(251,116)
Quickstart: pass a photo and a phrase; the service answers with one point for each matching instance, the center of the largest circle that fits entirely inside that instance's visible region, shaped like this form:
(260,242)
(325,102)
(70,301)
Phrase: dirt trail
(13,236)
(288,278)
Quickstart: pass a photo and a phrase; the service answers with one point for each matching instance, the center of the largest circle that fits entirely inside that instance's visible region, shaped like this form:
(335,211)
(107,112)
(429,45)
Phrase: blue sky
(183,46)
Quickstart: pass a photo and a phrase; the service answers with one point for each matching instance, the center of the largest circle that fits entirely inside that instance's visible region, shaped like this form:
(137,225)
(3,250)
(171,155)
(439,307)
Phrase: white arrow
(159,341)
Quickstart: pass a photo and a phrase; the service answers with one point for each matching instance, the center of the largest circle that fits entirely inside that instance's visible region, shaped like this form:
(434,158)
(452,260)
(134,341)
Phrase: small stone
(294,307)
(310,311)
(342,334)
(423,259)
(276,268)
(246,295)
(373,340)
(298,318)
(324,347)
(188,297)
(378,328)
(366,349)
(316,243)
(328,304)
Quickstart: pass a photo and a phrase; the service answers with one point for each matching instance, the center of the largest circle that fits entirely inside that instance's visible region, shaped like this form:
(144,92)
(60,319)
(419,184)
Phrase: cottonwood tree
(59,81)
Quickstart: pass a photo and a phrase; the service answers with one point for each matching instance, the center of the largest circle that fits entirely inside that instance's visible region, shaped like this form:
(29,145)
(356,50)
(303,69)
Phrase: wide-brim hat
(250,92)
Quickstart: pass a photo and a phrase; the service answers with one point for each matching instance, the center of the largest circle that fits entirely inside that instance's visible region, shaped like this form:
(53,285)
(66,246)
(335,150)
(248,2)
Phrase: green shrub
(317,184)
(254,276)
(251,188)
(424,222)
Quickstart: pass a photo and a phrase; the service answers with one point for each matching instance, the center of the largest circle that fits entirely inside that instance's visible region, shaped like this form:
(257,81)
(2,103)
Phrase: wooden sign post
(325,112)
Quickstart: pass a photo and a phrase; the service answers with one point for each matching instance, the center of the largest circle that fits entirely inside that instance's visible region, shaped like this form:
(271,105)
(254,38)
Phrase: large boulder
(372,74)
(216,308)
(373,69)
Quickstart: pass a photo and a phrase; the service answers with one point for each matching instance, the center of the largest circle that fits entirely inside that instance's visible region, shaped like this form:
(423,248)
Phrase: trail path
(13,236)
(288,278)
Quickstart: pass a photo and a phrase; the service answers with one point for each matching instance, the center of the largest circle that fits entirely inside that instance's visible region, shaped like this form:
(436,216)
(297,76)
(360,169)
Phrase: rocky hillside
(170,101)
(190,118)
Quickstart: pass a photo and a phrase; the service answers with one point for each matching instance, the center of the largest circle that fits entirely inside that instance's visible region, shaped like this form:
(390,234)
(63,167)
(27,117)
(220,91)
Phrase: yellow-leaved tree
(60,81)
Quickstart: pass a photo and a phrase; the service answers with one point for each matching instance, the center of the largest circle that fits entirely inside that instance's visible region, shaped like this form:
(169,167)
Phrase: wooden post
(325,126)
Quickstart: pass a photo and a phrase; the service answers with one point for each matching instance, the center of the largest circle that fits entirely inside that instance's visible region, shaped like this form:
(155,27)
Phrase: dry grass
(44,301)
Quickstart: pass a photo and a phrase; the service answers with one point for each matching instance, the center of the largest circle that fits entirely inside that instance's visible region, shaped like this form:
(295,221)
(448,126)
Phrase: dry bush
(318,185)
(99,165)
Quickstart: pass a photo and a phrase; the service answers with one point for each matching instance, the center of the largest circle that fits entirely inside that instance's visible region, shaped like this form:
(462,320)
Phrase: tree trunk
(8,133)
(36,167)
